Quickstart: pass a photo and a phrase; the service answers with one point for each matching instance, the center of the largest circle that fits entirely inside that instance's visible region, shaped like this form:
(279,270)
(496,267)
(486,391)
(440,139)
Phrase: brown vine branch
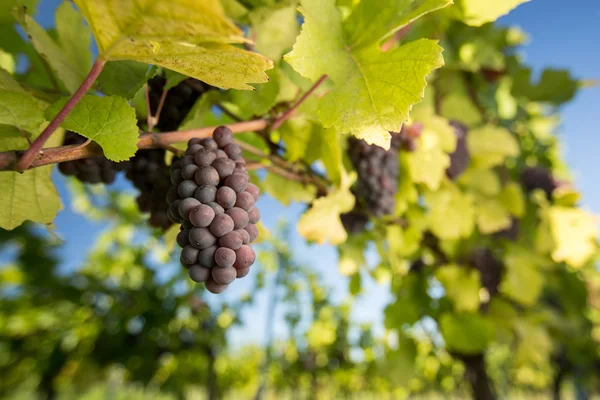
(30,154)
(280,120)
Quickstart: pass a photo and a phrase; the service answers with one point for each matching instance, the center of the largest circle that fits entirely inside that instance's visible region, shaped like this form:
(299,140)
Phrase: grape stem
(35,149)
(286,115)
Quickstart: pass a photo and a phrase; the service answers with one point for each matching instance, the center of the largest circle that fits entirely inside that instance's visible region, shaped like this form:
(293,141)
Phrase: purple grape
(191,150)
(216,207)
(189,255)
(226,197)
(215,287)
(187,160)
(189,171)
(223,136)
(224,257)
(206,193)
(244,234)
(232,240)
(186,206)
(198,273)
(173,212)
(176,177)
(237,181)
(204,157)
(201,216)
(187,189)
(194,141)
(252,231)
(239,216)
(221,225)
(224,276)
(182,238)
(242,272)
(207,175)
(224,167)
(245,201)
(244,257)
(207,256)
(253,215)
(233,151)
(253,190)
(209,143)
(201,238)
(221,154)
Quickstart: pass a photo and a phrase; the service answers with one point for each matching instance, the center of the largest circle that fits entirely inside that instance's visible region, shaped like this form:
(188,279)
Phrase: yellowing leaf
(523,280)
(490,145)
(321,223)
(574,232)
(187,36)
(27,196)
(513,200)
(373,90)
(451,213)
(481,180)
(109,121)
(276,30)
(461,285)
(492,216)
(479,12)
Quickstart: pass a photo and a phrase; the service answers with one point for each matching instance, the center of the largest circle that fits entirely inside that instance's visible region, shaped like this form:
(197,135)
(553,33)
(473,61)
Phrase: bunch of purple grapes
(540,178)
(88,170)
(460,158)
(214,201)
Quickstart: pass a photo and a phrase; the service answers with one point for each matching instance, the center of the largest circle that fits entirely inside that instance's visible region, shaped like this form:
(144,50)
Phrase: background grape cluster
(213,199)
(460,158)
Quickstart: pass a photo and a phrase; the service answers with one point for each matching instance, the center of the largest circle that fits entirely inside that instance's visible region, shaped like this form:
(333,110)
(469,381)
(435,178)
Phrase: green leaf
(429,162)
(124,78)
(173,78)
(466,333)
(451,213)
(479,12)
(7,62)
(287,191)
(28,196)
(574,232)
(375,20)
(17,107)
(523,280)
(492,216)
(512,199)
(481,180)
(187,36)
(201,113)
(373,90)
(276,30)
(554,86)
(109,121)
(6,9)
(491,145)
(259,101)
(321,223)
(411,302)
(461,285)
(74,37)
(297,133)
(69,73)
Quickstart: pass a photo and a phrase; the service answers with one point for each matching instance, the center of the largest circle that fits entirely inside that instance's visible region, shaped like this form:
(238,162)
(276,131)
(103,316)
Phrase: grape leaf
(373,90)
(276,30)
(74,37)
(297,133)
(523,280)
(490,145)
(461,285)
(69,73)
(574,232)
(554,86)
(17,107)
(287,191)
(492,216)
(109,121)
(124,78)
(187,36)
(28,196)
(451,213)
(481,180)
(429,162)
(479,12)
(7,62)
(258,101)
(466,333)
(6,9)
(513,200)
(321,223)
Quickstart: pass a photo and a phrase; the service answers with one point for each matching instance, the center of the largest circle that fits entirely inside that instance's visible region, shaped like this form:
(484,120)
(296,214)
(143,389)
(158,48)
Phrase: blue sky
(562,35)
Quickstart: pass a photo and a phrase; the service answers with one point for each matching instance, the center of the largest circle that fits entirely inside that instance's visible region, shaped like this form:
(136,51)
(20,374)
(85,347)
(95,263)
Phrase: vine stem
(32,152)
(286,115)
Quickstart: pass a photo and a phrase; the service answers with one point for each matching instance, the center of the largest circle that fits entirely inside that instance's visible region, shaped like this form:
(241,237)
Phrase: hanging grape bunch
(213,199)
(88,170)
(460,158)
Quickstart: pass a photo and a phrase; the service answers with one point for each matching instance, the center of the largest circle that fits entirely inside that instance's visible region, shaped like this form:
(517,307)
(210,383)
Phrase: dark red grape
(245,201)
(194,141)
(239,217)
(226,197)
(224,276)
(252,231)
(205,157)
(191,150)
(182,238)
(207,175)
(223,136)
(186,206)
(242,272)
(221,225)
(221,154)
(237,181)
(189,255)
(201,238)
(225,257)
(233,151)
(189,171)
(187,160)
(201,215)
(176,177)
(187,189)
(198,273)
(205,194)
(253,190)
(244,234)
(207,256)
(244,257)
(224,167)
(232,240)
(216,207)
(215,287)
(209,143)
(253,216)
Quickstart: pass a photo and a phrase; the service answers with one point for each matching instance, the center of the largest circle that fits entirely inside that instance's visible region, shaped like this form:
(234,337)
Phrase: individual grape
(206,194)
(207,256)
(221,225)
(176,164)
(187,188)
(232,240)
(189,255)
(221,154)
(215,287)
(240,217)
(237,181)
(233,151)
(216,207)
(193,149)
(244,257)
(173,217)
(244,234)
(189,171)
(224,167)
(223,136)
(242,272)
(253,190)
(186,206)
(245,201)
(182,238)
(224,276)
(207,175)
(252,231)
(201,215)
(225,257)
(460,158)
(226,197)
(174,211)
(187,160)
(194,141)
(407,138)
(209,143)
(205,156)
(172,195)
(253,216)
(198,273)
(201,238)
(539,178)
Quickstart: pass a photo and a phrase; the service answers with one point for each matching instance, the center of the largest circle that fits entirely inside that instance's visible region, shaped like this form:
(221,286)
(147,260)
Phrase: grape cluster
(150,175)
(490,269)
(213,199)
(539,178)
(406,139)
(460,158)
(88,170)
